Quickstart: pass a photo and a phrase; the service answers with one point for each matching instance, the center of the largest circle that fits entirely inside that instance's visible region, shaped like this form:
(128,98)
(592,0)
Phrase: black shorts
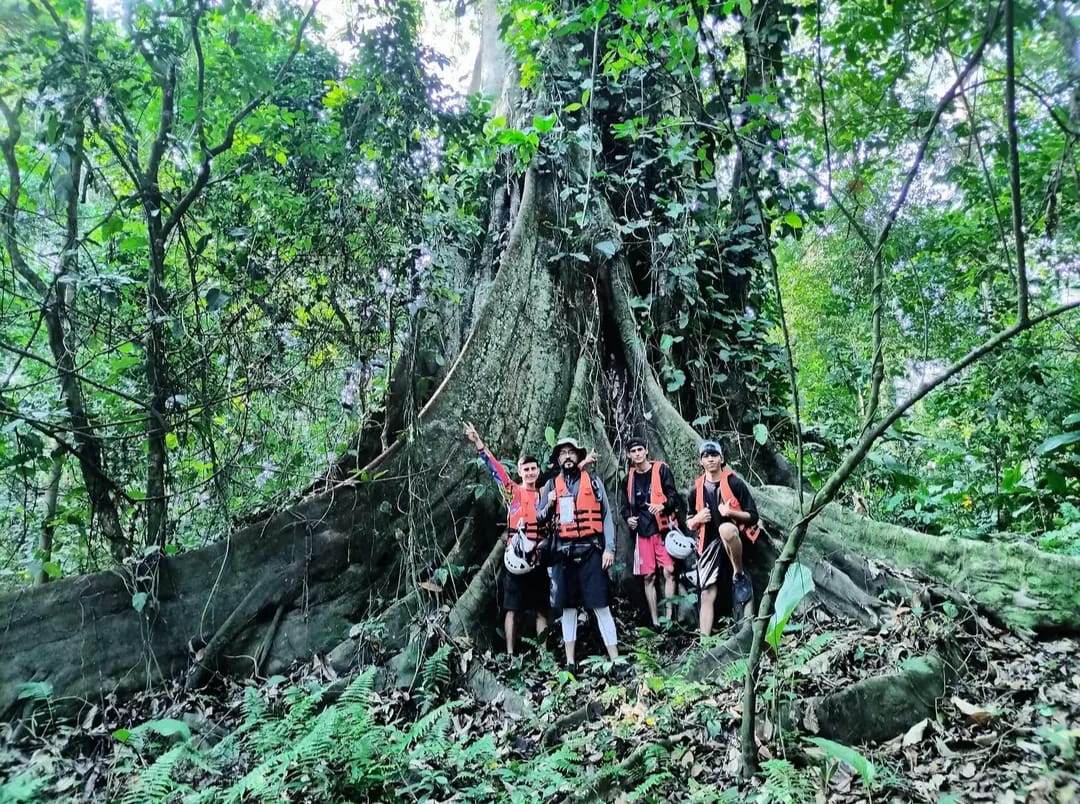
(580,581)
(528,592)
(714,565)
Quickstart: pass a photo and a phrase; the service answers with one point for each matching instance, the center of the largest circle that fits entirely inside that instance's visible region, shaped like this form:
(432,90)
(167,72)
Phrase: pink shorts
(649,554)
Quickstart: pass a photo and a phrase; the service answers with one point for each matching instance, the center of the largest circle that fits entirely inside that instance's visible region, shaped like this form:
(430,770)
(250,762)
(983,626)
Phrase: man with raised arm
(723,513)
(529,591)
(585,539)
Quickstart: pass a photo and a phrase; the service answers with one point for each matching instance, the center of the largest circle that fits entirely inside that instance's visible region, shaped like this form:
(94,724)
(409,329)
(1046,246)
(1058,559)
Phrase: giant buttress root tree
(579,237)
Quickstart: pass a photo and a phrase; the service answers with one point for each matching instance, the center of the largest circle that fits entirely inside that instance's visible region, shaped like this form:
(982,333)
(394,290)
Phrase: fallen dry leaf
(916,732)
(976,714)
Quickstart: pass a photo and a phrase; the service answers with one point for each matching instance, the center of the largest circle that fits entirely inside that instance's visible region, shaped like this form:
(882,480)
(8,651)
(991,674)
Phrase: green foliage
(24,787)
(784,783)
(849,756)
(344,752)
(435,676)
(288,279)
(994,450)
(798,583)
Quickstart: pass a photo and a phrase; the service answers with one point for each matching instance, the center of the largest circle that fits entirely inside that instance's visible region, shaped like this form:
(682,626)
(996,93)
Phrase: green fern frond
(435,674)
(735,671)
(431,724)
(360,688)
(155,782)
(650,784)
(784,783)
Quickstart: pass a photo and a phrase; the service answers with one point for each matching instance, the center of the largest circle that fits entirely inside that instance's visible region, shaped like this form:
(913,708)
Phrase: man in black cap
(723,513)
(649,510)
(585,545)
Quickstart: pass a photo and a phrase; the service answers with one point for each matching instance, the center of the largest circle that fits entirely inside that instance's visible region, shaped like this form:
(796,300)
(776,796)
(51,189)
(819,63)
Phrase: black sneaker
(743,589)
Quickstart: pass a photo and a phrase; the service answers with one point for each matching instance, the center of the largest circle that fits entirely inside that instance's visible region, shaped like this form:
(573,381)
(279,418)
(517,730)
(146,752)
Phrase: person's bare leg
(733,545)
(569,632)
(708,608)
(509,624)
(669,591)
(541,624)
(650,597)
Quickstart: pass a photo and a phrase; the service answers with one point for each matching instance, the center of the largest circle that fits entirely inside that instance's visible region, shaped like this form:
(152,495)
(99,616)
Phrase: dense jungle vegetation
(257,253)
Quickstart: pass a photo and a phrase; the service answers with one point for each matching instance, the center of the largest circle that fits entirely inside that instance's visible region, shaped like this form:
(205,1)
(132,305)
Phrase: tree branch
(203,175)
(1014,162)
(878,366)
(11,203)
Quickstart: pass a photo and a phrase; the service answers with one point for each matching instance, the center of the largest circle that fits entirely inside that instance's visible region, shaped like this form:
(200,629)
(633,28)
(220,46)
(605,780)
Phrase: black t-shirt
(639,506)
(710,491)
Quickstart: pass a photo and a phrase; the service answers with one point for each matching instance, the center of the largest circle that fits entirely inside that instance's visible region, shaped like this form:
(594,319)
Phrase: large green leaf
(849,756)
(798,583)
(1054,443)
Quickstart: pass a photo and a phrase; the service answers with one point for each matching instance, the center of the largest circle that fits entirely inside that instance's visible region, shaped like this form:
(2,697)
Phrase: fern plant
(434,676)
(785,784)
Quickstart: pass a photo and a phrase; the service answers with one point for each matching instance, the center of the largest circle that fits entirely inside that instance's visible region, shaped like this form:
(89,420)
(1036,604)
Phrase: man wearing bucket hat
(585,539)
(649,510)
(722,512)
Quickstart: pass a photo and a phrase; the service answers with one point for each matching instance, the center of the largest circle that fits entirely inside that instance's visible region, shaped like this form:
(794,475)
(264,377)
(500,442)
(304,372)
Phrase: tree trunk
(48,519)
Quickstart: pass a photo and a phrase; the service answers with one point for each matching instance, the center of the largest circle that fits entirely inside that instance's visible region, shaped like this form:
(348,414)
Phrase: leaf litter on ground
(1008,729)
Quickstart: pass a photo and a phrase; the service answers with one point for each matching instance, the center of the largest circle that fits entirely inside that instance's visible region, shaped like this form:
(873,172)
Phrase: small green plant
(784,783)
(872,776)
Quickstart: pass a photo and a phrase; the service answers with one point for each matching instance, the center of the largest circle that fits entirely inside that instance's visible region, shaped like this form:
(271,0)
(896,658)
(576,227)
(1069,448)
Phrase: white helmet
(516,557)
(678,544)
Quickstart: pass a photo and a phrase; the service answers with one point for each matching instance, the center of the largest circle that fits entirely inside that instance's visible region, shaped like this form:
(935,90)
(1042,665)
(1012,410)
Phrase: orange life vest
(656,496)
(521,512)
(588,520)
(727,497)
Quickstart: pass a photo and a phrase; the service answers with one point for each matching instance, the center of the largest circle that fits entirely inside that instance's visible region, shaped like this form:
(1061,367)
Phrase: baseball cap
(709,446)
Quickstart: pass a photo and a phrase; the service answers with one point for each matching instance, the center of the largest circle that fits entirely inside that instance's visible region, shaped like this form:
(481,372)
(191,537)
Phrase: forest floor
(1008,730)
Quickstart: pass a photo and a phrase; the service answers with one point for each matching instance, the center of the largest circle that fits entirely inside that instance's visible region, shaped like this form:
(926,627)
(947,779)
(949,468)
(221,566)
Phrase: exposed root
(843,597)
(482,683)
(735,648)
(268,638)
(583,714)
(879,708)
(276,589)
(467,615)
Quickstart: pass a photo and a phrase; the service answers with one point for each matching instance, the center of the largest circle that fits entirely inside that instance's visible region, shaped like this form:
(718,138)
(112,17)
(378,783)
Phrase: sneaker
(618,671)
(743,589)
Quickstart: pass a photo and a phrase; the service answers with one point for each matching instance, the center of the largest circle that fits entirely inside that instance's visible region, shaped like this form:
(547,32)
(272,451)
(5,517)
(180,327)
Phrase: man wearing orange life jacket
(531,591)
(723,513)
(649,510)
(585,546)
